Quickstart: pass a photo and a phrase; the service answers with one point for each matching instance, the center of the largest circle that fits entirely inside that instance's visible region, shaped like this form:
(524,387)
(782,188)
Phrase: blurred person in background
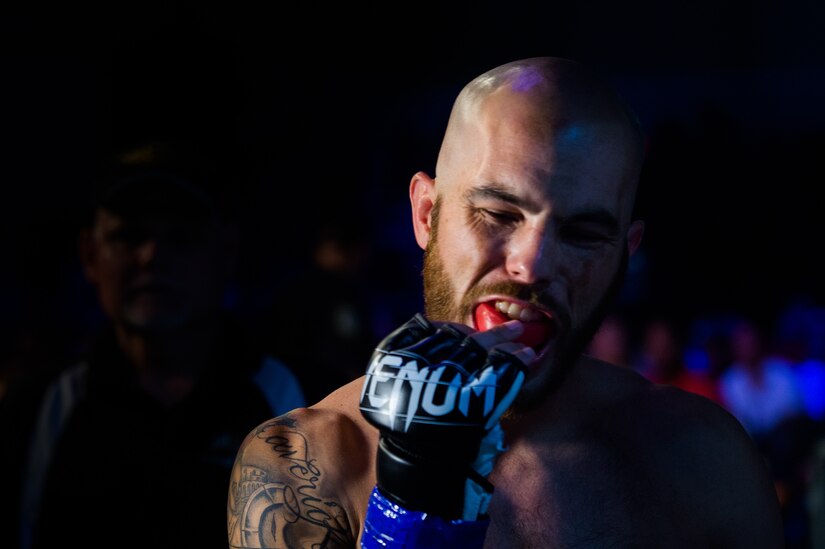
(328,306)
(800,335)
(761,389)
(132,446)
(795,445)
(611,342)
(758,387)
(661,360)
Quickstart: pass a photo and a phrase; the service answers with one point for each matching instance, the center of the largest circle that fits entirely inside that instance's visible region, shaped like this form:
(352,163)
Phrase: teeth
(517,312)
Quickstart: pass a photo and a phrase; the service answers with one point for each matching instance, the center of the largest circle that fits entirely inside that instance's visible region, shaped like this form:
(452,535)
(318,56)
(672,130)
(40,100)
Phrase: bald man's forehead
(514,144)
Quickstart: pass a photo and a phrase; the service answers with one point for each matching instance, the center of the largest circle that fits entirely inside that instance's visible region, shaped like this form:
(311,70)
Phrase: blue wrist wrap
(389,525)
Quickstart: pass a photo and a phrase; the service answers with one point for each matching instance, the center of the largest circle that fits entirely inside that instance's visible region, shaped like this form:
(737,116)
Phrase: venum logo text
(399,387)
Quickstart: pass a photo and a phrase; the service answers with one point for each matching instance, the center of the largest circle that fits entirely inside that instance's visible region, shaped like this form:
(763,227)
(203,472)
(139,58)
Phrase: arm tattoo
(280,507)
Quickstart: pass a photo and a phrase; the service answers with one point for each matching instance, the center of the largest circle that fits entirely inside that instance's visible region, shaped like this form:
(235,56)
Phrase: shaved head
(554,97)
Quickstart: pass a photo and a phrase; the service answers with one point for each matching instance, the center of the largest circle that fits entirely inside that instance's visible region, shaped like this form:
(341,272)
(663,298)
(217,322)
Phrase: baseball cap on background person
(165,177)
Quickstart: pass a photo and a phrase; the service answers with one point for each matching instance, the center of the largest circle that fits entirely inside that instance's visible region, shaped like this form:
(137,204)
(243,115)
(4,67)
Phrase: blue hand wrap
(388,525)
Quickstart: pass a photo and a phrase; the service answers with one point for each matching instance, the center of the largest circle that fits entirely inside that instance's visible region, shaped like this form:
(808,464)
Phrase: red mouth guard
(536,334)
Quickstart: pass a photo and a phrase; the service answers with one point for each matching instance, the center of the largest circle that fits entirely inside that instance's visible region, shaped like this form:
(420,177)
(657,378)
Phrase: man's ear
(422,200)
(634,236)
(87,253)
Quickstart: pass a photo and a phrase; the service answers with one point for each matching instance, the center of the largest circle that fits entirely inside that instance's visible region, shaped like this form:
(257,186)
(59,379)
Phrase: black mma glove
(436,397)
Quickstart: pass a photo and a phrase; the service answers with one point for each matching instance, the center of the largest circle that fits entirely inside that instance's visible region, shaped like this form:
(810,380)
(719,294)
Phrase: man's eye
(498,217)
(582,237)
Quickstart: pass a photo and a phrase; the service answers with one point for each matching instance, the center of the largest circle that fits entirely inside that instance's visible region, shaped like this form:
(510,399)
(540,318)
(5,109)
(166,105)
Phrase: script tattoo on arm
(275,500)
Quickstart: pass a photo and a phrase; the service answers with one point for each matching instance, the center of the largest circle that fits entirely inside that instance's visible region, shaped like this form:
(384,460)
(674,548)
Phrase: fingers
(503,333)
(500,337)
(488,339)
(524,353)
(437,346)
(433,342)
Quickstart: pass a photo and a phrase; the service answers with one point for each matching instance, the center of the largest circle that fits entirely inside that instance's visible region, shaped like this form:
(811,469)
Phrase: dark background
(322,114)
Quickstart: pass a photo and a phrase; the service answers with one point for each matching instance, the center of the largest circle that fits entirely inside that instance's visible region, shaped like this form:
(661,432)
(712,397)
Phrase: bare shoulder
(701,455)
(298,478)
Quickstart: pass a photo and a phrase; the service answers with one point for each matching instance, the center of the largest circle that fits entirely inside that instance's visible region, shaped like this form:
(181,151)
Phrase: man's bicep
(279,495)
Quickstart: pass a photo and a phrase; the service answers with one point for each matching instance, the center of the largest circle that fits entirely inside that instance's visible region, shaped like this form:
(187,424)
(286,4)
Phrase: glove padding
(436,397)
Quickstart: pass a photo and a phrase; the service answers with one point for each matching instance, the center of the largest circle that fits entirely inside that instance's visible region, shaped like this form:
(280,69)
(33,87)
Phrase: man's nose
(530,256)
(147,250)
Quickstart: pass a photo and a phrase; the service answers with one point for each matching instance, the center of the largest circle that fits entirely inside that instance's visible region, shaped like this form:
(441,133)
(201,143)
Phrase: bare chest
(582,496)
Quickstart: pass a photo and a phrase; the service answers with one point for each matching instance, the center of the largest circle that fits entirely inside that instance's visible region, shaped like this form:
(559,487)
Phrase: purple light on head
(527,80)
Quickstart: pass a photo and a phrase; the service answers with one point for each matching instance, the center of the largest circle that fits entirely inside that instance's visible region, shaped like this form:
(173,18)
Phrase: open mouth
(538,325)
